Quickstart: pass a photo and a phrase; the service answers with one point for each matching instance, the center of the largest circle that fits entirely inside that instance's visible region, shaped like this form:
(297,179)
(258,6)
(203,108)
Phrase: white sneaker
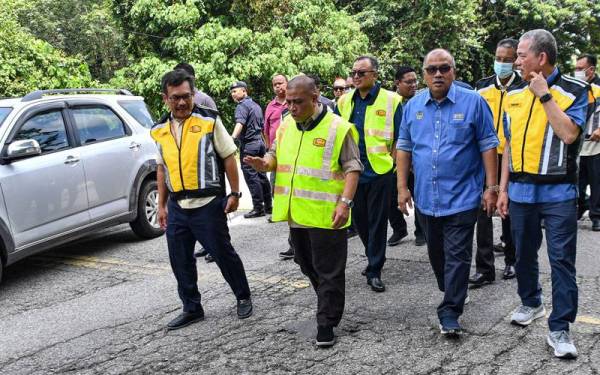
(562,344)
(467,300)
(524,315)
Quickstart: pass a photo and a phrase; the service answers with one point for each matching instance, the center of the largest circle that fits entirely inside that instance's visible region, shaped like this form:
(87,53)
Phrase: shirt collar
(275,102)
(502,87)
(552,75)
(313,120)
(371,96)
(450,96)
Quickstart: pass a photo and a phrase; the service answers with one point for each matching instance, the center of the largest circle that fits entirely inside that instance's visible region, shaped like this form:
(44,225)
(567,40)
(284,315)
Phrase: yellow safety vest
(496,98)
(310,180)
(594,115)
(194,169)
(378,127)
(537,155)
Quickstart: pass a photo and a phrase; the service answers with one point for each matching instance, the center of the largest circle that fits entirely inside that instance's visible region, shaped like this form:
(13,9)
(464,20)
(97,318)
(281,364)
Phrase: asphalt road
(99,306)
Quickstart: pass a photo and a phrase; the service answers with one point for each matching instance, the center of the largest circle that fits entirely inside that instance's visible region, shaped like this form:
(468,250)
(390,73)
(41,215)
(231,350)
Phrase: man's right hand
(404,200)
(256,162)
(162,217)
(502,204)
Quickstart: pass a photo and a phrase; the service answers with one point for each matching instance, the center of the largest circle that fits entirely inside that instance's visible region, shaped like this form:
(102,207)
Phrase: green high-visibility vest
(310,180)
(378,127)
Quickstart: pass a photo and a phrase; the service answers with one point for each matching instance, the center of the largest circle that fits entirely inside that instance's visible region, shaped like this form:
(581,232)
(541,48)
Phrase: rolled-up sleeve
(404,142)
(486,135)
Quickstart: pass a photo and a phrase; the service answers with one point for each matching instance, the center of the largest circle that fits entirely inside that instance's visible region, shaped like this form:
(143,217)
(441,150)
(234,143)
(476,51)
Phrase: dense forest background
(132,43)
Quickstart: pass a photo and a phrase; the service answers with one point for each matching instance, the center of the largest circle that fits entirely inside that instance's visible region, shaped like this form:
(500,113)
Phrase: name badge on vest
(380,112)
(196,129)
(420,115)
(458,116)
(319,142)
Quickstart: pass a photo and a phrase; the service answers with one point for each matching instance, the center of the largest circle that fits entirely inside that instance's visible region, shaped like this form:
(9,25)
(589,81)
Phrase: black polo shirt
(249,114)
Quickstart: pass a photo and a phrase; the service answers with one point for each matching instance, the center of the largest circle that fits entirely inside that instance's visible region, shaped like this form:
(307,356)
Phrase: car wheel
(146,224)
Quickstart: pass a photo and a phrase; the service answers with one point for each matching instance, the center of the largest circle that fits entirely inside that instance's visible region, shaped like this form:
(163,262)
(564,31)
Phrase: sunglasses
(410,82)
(432,69)
(360,73)
(339,88)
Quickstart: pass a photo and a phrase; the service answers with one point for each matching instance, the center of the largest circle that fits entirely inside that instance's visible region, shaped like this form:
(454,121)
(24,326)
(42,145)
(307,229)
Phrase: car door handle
(71,159)
(134,146)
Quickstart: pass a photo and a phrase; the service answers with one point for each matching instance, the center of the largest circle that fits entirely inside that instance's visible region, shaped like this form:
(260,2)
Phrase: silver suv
(73,161)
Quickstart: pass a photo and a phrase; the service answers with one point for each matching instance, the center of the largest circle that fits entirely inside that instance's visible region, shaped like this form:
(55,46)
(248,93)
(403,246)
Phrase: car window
(139,111)
(95,124)
(4,113)
(47,128)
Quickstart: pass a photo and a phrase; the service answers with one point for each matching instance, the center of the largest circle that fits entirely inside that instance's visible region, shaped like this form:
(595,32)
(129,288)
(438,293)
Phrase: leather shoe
(420,241)
(200,252)
(209,258)
(395,238)
(254,213)
(268,210)
(499,248)
(596,225)
(509,272)
(376,284)
(244,308)
(185,319)
(478,280)
(352,233)
(288,254)
(364,272)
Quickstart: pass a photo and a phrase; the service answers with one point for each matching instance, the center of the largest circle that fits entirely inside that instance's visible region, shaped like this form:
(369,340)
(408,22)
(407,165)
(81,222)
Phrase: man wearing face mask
(493,89)
(589,159)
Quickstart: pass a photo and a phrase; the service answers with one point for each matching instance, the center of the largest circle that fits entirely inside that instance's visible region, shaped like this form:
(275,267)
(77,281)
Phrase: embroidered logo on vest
(380,112)
(319,142)
(196,129)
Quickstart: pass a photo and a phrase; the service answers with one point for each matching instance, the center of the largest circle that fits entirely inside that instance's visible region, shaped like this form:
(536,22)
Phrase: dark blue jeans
(560,219)
(450,248)
(207,225)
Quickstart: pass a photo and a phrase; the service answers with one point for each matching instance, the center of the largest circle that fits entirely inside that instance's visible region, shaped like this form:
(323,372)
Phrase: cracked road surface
(99,306)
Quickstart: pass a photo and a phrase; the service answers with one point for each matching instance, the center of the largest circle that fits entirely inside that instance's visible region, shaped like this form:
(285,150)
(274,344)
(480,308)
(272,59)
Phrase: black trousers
(370,216)
(257,182)
(589,174)
(484,258)
(396,217)
(207,225)
(450,248)
(321,255)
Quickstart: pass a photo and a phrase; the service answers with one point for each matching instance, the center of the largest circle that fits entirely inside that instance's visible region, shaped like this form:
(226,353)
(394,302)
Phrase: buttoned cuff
(404,145)
(488,143)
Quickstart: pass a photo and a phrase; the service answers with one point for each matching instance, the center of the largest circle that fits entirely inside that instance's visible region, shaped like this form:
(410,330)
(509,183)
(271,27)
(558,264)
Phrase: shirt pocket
(459,132)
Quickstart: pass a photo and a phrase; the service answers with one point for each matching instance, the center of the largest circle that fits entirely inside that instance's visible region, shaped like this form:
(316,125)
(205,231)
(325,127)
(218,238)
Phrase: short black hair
(401,71)
(315,78)
(372,60)
(187,67)
(508,43)
(175,78)
(279,75)
(592,60)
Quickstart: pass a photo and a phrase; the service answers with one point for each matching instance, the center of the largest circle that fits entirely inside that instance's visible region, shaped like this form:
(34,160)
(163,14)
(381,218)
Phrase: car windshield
(138,110)
(3,113)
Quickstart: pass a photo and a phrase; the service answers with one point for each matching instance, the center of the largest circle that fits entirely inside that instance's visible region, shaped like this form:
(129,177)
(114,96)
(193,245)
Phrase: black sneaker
(200,252)
(395,238)
(289,254)
(185,319)
(325,336)
(478,280)
(244,308)
(254,213)
(450,328)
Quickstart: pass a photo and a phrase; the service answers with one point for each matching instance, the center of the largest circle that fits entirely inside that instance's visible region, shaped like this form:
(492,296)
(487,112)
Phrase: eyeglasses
(432,69)
(360,73)
(410,82)
(177,98)
(339,88)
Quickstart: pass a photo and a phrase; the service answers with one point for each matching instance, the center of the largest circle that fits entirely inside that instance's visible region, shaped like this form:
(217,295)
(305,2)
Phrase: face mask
(580,74)
(503,70)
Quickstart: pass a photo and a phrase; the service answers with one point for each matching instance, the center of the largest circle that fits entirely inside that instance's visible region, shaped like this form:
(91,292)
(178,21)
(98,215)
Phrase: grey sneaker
(562,344)
(524,315)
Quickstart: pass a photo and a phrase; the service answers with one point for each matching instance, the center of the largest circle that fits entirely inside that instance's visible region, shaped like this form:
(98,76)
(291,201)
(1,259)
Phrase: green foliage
(27,63)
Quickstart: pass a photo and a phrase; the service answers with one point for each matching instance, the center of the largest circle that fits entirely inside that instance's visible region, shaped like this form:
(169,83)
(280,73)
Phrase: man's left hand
(538,84)
(489,201)
(595,136)
(232,204)
(340,215)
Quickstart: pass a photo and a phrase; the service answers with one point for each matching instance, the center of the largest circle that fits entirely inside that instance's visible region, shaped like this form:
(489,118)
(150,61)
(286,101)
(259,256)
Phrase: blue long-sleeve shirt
(446,140)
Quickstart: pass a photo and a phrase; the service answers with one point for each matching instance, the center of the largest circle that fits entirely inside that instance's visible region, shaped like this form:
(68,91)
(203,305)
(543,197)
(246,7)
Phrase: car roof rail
(38,94)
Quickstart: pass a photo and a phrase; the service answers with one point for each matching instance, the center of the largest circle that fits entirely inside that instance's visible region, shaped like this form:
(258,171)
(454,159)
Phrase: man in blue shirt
(447,132)
(539,176)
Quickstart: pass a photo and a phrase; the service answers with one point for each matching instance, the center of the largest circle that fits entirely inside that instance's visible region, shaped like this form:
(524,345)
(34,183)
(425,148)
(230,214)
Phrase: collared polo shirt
(523,192)
(358,119)
(446,140)
(249,114)
(273,116)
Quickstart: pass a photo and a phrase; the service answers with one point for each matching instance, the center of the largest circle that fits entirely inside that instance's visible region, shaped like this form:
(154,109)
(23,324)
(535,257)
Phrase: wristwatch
(347,202)
(494,188)
(546,97)
(237,194)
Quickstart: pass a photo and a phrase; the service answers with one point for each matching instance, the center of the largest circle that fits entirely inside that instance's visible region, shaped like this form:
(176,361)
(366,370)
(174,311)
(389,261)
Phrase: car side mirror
(23,148)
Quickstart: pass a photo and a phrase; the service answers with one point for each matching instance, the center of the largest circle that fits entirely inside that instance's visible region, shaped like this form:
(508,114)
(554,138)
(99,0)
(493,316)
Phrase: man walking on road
(248,129)
(195,153)
(589,158)
(447,135)
(493,89)
(376,113)
(545,116)
(318,166)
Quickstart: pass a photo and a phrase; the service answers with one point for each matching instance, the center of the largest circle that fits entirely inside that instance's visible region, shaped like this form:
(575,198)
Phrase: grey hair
(542,41)
(440,50)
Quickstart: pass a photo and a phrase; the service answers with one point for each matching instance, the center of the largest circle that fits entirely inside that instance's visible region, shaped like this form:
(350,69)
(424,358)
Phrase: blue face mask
(503,70)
